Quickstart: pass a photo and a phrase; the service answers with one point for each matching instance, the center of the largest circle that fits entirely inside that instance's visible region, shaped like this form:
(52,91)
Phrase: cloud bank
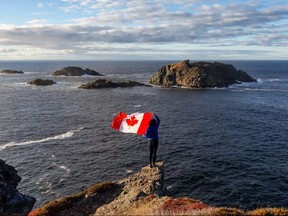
(149,27)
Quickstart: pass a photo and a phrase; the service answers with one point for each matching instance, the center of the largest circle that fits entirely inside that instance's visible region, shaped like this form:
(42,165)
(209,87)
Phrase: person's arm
(157,120)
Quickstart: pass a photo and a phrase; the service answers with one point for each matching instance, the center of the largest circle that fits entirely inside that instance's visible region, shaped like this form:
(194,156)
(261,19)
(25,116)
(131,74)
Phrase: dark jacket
(152,131)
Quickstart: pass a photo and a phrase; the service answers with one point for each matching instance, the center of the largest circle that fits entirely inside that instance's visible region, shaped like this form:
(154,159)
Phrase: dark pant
(153,149)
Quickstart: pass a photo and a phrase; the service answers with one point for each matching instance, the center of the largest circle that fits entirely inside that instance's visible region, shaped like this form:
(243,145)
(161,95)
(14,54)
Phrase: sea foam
(29,142)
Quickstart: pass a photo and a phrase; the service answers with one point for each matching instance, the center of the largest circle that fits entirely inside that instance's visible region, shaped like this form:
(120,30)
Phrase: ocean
(224,146)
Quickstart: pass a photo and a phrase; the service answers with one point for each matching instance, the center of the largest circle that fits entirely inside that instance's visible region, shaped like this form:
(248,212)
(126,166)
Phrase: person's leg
(151,152)
(155,147)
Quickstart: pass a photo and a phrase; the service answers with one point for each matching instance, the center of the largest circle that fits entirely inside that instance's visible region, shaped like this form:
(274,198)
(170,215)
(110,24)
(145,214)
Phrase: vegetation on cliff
(139,194)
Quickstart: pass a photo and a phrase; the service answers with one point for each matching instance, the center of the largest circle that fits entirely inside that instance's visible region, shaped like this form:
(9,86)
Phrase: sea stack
(199,75)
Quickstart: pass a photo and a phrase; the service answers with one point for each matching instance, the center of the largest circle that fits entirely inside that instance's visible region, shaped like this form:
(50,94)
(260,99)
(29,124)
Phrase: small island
(103,83)
(75,71)
(8,72)
(199,75)
(41,82)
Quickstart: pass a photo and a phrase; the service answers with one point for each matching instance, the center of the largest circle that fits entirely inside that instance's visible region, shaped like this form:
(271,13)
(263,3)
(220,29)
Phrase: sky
(143,30)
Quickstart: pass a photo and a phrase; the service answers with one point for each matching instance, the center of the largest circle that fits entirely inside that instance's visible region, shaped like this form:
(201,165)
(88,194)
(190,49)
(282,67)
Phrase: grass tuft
(54,207)
(268,212)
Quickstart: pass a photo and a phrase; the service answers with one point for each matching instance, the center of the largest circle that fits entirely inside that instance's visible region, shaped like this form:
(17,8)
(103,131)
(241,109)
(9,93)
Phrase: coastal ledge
(142,193)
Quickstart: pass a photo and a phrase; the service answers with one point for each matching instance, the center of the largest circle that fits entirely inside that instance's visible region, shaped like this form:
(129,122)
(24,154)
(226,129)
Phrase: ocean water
(226,147)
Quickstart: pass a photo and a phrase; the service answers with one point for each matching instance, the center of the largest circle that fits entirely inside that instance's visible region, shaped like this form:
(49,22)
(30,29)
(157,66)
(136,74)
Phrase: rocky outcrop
(75,71)
(142,193)
(199,75)
(12,202)
(40,82)
(135,189)
(11,72)
(103,83)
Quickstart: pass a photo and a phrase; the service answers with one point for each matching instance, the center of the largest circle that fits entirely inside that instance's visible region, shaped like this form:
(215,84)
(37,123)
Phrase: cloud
(153,23)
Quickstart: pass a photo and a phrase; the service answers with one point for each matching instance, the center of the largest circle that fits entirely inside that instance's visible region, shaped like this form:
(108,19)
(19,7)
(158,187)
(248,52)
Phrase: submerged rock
(41,82)
(12,202)
(11,72)
(103,83)
(75,71)
(199,75)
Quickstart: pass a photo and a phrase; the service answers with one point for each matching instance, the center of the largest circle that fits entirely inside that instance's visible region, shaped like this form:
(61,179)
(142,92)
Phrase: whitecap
(65,168)
(128,171)
(169,187)
(29,142)
(139,105)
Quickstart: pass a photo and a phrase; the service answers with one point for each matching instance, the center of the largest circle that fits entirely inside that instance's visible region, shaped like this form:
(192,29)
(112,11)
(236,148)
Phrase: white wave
(57,137)
(139,105)
(128,171)
(65,168)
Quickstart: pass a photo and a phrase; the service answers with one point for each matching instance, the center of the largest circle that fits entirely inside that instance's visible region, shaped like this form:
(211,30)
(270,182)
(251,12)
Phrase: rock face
(11,72)
(75,71)
(103,83)
(199,75)
(11,201)
(41,82)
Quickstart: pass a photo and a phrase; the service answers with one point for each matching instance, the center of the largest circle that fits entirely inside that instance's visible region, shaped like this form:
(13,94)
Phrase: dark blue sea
(226,147)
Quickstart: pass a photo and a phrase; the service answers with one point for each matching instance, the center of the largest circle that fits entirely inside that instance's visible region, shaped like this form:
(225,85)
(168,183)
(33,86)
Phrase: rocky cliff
(12,202)
(142,193)
(199,75)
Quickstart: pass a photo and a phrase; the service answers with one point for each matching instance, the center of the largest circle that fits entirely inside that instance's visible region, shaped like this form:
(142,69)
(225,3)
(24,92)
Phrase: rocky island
(41,82)
(11,72)
(199,75)
(103,83)
(75,71)
(12,202)
(142,193)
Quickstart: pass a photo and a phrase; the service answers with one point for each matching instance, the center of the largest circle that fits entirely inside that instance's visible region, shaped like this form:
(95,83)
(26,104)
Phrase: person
(152,135)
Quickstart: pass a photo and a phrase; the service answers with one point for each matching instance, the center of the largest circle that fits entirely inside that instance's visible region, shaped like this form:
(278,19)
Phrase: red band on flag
(144,123)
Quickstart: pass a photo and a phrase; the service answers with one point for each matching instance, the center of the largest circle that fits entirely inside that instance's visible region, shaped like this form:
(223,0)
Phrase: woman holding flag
(145,124)
(152,135)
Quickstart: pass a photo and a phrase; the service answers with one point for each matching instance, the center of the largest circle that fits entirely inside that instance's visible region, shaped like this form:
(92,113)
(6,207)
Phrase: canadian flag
(133,123)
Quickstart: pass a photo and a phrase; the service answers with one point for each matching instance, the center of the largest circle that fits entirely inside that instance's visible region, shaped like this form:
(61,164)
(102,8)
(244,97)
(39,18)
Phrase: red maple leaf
(132,121)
